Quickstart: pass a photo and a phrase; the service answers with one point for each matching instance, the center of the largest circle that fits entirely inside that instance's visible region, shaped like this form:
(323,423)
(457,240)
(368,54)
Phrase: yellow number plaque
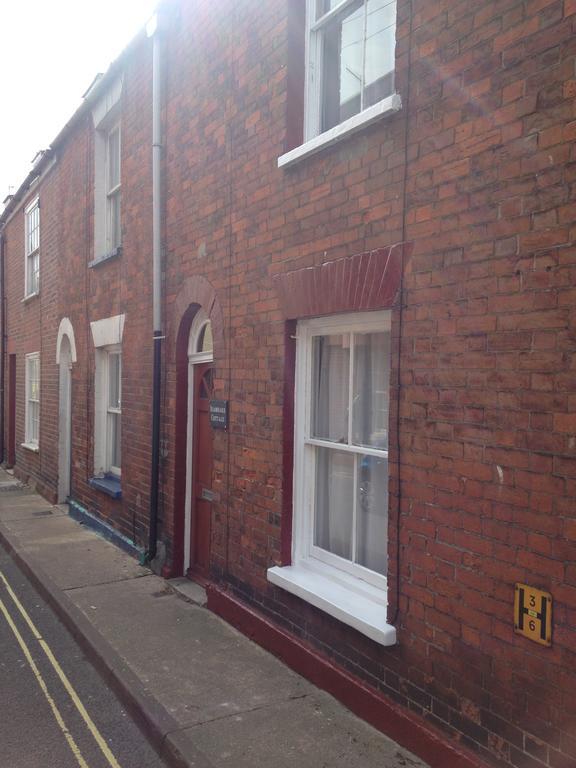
(533,614)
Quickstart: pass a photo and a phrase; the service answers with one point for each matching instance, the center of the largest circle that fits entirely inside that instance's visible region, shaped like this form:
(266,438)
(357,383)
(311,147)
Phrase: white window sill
(105,257)
(350,600)
(385,107)
(31,447)
(30,297)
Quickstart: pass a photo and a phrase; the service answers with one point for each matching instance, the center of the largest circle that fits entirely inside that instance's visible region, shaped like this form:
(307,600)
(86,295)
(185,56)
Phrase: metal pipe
(156,181)
(156,282)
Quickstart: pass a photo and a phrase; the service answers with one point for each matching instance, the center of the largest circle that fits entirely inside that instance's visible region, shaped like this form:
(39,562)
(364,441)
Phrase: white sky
(50,51)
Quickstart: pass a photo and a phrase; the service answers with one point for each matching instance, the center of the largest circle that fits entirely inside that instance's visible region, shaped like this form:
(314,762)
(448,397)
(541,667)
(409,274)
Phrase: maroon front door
(202,493)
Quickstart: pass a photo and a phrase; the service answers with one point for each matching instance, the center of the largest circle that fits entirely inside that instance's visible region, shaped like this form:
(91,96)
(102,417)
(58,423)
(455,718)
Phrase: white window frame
(106,118)
(314,139)
(116,350)
(31,441)
(107,337)
(113,192)
(349,591)
(32,209)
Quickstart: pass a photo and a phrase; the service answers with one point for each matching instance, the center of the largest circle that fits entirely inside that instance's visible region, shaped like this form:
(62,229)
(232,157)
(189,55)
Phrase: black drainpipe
(158,335)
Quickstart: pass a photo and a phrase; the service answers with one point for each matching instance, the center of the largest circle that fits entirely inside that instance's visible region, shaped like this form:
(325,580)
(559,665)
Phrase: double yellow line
(100,741)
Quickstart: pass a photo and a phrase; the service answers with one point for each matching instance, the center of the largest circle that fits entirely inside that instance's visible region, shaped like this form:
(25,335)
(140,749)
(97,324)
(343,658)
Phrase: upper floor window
(32,248)
(113,229)
(106,115)
(350,59)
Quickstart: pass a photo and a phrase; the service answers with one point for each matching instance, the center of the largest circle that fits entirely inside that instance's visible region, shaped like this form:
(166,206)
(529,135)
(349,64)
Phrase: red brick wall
(72,289)
(487,446)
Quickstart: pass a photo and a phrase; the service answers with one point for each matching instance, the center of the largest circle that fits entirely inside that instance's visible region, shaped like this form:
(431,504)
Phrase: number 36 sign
(533,614)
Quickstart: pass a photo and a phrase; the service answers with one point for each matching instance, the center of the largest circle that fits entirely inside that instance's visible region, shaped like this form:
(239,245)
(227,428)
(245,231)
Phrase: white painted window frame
(107,337)
(31,208)
(314,140)
(305,444)
(106,118)
(348,591)
(111,410)
(31,442)
(113,192)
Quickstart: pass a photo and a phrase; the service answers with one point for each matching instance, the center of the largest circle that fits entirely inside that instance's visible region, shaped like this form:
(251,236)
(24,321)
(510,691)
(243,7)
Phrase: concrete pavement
(205,695)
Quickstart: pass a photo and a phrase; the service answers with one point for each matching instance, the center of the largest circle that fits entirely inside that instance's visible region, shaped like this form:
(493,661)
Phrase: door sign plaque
(219,414)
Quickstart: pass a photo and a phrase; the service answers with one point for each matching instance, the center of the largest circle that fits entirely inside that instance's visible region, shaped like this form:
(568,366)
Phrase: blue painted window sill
(109,485)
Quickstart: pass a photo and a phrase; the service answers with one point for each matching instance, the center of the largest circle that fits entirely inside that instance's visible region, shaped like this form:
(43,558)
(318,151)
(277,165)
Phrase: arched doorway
(65,356)
(199,495)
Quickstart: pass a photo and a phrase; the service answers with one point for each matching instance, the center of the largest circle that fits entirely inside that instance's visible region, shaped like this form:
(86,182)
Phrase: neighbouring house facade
(368,322)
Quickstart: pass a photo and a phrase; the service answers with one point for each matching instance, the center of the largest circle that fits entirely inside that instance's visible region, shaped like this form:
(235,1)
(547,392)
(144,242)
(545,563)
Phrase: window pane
(114,381)
(205,343)
(342,72)
(207,385)
(114,231)
(330,383)
(114,426)
(323,6)
(371,389)
(33,382)
(113,159)
(372,513)
(33,229)
(34,422)
(334,501)
(380,51)
(33,263)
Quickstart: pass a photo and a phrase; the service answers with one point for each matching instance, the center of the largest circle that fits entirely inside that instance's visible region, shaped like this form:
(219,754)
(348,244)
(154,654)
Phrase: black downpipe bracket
(155,473)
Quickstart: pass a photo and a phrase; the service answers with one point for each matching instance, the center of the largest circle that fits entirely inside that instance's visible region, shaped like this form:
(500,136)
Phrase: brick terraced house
(289,306)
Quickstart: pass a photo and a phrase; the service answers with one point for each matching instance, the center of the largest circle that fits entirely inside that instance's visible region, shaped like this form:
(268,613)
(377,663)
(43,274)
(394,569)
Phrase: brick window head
(32,406)
(32,248)
(350,60)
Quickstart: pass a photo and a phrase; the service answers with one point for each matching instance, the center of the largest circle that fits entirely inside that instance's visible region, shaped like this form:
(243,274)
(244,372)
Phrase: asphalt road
(55,709)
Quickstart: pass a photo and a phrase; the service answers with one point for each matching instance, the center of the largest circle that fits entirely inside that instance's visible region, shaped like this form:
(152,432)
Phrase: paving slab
(71,554)
(199,667)
(309,732)
(15,506)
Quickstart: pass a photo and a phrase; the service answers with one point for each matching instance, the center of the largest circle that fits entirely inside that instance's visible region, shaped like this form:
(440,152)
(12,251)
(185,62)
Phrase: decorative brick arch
(195,293)
(358,283)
